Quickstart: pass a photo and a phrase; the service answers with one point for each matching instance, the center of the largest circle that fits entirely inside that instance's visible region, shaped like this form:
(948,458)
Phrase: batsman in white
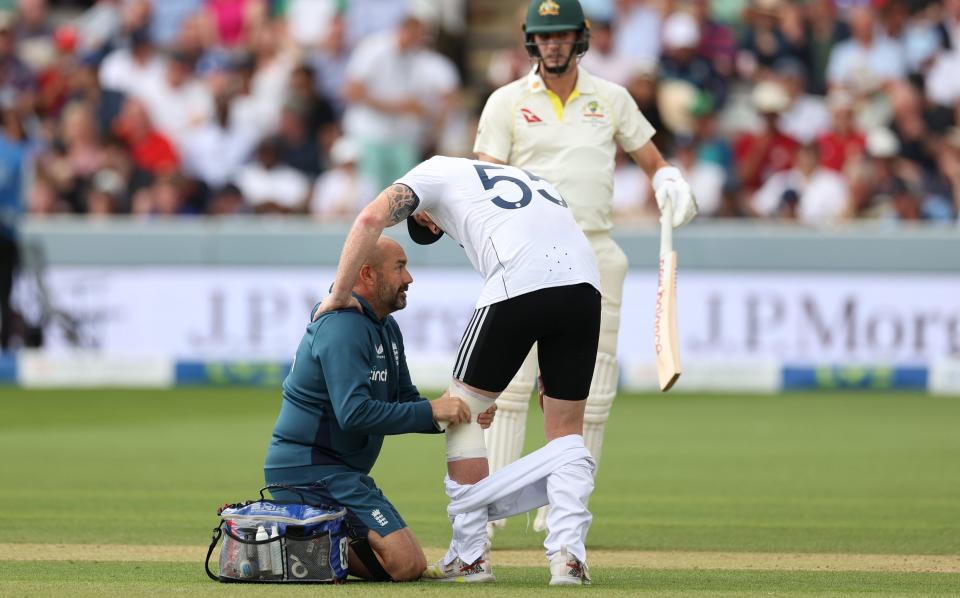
(541,286)
(564,124)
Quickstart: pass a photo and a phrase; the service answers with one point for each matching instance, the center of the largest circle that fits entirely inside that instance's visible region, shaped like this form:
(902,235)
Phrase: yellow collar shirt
(570,145)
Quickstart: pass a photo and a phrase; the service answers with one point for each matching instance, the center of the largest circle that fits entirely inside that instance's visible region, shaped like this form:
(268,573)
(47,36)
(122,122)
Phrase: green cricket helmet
(554,16)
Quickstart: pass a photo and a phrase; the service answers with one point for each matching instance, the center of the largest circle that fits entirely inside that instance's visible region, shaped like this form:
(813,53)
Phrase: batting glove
(668,182)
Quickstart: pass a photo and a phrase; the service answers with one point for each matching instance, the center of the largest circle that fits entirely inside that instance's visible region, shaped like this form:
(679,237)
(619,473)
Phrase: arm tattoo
(402,201)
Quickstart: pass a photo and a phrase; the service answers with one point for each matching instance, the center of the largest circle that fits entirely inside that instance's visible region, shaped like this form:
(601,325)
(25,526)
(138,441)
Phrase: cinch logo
(549,8)
(378,375)
(378,516)
(530,117)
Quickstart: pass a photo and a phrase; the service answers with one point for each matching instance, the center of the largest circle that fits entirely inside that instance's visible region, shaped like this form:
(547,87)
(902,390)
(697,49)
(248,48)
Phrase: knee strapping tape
(465,441)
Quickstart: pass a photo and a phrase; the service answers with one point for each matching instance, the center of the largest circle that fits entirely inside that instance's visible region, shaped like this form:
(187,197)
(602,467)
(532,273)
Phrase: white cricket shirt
(573,145)
(515,228)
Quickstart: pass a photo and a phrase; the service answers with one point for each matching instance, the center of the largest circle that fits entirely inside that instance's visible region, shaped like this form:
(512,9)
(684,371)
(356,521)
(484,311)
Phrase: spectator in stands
(247,110)
(34,34)
(234,19)
(128,70)
(167,18)
(712,147)
(910,126)
(178,103)
(602,60)
(150,149)
(880,179)
(308,21)
(266,76)
(341,192)
(918,38)
(825,31)
(297,146)
(42,199)
(167,197)
(718,42)
(807,116)
(317,111)
(97,26)
(215,152)
(867,61)
(807,193)
(79,154)
(271,187)
(105,196)
(17,86)
(638,30)
(226,201)
(843,142)
(398,93)
(509,64)
(949,26)
(707,179)
(759,155)
(53,80)
(368,18)
(642,85)
(329,63)
(763,41)
(681,38)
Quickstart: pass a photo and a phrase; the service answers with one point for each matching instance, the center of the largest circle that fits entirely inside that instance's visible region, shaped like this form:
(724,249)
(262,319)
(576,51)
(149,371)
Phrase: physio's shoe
(568,570)
(479,571)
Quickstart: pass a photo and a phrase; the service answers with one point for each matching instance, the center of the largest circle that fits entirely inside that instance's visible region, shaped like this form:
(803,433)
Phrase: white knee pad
(465,441)
(603,391)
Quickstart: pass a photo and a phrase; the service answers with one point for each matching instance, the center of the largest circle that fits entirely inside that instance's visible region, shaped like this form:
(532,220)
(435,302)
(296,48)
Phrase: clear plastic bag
(270,541)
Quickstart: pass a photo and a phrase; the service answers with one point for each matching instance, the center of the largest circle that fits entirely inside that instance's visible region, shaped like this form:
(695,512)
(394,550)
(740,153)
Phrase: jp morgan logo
(378,375)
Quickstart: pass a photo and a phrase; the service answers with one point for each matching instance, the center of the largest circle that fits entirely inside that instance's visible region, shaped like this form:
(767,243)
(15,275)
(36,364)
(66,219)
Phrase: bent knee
(405,567)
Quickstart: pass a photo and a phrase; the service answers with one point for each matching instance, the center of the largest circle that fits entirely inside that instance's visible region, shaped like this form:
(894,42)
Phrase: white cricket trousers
(559,474)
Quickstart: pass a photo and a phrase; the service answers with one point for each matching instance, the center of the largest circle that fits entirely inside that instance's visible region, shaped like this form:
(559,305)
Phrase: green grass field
(824,474)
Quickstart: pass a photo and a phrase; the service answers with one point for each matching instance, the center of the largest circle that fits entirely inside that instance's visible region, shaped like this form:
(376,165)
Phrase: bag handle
(217,532)
(293,489)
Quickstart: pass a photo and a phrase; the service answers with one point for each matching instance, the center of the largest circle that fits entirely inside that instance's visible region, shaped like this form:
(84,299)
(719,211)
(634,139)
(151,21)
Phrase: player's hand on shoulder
(450,410)
(331,302)
(486,418)
(668,183)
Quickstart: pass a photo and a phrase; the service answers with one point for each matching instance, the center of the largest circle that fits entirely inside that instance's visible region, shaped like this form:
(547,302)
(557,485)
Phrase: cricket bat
(665,340)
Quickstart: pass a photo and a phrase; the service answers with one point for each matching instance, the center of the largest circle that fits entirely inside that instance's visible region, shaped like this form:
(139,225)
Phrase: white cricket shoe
(479,571)
(568,570)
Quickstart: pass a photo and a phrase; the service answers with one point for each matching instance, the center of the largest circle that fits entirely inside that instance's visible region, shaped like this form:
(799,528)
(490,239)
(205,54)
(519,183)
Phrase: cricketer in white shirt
(515,228)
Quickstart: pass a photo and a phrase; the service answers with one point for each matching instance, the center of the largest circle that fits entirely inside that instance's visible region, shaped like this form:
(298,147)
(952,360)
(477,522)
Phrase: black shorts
(563,321)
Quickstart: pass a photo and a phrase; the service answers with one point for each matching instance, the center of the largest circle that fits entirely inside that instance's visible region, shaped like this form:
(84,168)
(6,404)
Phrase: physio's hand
(669,183)
(331,302)
(450,410)
(486,418)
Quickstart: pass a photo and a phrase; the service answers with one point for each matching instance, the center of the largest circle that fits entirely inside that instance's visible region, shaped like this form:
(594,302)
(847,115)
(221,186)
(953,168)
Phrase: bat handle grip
(666,228)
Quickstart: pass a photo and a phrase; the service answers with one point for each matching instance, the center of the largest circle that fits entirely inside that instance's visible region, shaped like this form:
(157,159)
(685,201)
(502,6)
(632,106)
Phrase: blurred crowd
(180,107)
(817,111)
